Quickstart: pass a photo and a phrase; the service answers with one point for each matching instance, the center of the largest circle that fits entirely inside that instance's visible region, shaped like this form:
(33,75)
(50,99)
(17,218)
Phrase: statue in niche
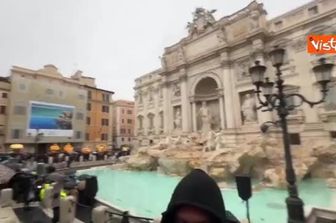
(205,115)
(178,119)
(177,90)
(249,109)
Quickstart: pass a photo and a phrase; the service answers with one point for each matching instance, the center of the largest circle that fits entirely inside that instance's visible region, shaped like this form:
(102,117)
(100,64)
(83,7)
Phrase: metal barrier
(125,217)
(103,214)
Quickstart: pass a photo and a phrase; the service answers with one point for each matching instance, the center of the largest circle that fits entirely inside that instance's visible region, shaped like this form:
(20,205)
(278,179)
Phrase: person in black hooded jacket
(197,199)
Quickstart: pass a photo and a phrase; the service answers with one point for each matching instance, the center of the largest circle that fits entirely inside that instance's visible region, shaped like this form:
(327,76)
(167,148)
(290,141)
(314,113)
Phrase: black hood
(199,190)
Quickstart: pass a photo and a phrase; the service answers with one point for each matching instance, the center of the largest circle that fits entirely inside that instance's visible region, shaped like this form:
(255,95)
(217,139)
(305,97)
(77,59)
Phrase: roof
(99,89)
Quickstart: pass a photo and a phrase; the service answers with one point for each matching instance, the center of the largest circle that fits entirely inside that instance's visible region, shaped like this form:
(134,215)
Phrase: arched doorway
(206,94)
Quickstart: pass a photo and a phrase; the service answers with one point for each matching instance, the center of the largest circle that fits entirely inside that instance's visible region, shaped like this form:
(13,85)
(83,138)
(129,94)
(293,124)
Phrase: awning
(16,146)
(101,148)
(54,148)
(86,150)
(68,148)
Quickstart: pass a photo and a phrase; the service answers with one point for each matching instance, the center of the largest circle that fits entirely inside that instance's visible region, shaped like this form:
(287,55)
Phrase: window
(15,133)
(129,112)
(105,108)
(129,121)
(2,109)
(106,97)
(78,134)
(122,121)
(88,120)
(87,136)
(22,87)
(122,139)
(89,94)
(313,10)
(294,139)
(129,139)
(122,131)
(19,110)
(79,116)
(49,91)
(129,131)
(81,96)
(278,24)
(123,111)
(333,134)
(105,122)
(103,136)
(88,107)
(4,95)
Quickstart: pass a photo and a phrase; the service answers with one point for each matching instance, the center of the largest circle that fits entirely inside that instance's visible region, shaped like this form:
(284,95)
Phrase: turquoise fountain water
(147,194)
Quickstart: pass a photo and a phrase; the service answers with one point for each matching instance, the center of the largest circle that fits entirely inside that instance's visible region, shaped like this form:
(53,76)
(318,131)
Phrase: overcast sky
(113,41)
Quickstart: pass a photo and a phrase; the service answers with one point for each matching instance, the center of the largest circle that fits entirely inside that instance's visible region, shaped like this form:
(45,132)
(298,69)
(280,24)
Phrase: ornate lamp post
(279,101)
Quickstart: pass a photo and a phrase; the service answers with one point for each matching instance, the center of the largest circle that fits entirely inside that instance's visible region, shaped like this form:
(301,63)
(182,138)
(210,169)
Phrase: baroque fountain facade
(199,109)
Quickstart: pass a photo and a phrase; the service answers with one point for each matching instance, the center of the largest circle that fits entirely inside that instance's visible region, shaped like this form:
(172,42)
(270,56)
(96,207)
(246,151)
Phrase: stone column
(228,92)
(194,116)
(184,101)
(166,99)
(222,111)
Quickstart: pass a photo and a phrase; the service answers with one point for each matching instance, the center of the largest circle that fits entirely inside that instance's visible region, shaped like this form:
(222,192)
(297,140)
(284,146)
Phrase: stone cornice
(303,23)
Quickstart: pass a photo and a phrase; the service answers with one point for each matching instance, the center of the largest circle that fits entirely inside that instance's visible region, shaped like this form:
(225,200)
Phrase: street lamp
(37,138)
(279,101)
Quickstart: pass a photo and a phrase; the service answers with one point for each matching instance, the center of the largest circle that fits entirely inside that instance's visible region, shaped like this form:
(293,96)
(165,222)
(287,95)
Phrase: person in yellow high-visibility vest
(42,193)
(58,179)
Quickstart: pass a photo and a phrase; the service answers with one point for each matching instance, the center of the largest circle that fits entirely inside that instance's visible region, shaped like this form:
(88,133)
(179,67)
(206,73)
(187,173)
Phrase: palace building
(204,84)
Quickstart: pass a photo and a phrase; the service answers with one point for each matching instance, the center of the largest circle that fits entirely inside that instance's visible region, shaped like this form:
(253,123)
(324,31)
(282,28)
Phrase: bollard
(47,200)
(100,215)
(94,158)
(50,160)
(40,169)
(66,158)
(6,197)
(105,157)
(67,209)
(81,158)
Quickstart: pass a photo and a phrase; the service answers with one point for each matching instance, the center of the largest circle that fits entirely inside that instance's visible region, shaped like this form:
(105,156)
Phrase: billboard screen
(50,119)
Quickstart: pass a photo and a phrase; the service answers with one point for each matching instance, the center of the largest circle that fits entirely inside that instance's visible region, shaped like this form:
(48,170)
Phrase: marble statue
(205,115)
(202,19)
(178,119)
(219,140)
(210,141)
(249,109)
(254,24)
(177,90)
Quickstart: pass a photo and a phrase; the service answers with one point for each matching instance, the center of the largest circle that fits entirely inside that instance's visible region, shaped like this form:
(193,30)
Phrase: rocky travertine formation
(262,158)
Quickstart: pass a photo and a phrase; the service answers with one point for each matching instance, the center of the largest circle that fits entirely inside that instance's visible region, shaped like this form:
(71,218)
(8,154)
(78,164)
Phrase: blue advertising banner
(50,119)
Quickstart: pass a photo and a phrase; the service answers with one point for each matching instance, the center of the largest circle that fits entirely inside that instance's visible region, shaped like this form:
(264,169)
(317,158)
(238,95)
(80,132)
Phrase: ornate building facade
(204,83)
